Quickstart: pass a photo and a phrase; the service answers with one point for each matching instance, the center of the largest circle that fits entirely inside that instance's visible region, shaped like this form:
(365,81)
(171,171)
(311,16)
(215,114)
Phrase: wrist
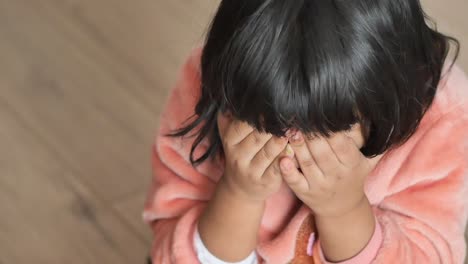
(234,194)
(343,209)
(344,236)
(227,218)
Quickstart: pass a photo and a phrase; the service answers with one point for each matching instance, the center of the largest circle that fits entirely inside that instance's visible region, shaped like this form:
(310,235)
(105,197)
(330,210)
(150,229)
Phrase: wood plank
(131,209)
(48,216)
(75,101)
(451,19)
(152,36)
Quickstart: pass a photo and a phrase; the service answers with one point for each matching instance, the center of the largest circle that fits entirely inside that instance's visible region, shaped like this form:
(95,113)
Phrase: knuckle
(325,188)
(295,182)
(266,154)
(257,138)
(308,162)
(334,171)
(255,162)
(238,163)
(237,130)
(339,177)
(225,142)
(320,152)
(276,170)
(252,177)
(235,162)
(298,144)
(341,145)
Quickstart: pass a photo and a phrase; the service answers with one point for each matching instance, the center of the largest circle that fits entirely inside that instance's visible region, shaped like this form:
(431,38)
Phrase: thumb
(292,176)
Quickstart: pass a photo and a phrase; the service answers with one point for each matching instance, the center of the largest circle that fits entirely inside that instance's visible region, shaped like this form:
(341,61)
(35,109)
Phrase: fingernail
(310,245)
(297,137)
(286,165)
(290,133)
(289,151)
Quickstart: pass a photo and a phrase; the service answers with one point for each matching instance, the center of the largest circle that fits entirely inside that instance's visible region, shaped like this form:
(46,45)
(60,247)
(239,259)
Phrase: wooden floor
(81,86)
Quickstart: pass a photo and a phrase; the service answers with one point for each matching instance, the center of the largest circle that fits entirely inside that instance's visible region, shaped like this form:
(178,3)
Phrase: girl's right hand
(251,160)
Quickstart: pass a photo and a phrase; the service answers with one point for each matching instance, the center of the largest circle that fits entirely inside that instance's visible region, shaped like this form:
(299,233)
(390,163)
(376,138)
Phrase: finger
(291,175)
(255,141)
(237,131)
(345,150)
(323,155)
(289,152)
(224,120)
(356,133)
(304,157)
(268,153)
(272,171)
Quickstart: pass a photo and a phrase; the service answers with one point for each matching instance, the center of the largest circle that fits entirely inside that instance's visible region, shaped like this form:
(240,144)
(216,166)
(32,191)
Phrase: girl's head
(319,66)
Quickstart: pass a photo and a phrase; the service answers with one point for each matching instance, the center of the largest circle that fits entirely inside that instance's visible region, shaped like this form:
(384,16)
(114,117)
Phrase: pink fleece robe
(419,191)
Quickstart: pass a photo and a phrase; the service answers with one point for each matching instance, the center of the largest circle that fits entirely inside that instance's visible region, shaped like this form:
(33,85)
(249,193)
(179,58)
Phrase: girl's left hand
(333,172)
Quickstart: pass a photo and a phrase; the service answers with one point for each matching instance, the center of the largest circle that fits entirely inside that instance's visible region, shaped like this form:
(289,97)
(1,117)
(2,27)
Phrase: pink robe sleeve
(425,221)
(179,191)
(424,215)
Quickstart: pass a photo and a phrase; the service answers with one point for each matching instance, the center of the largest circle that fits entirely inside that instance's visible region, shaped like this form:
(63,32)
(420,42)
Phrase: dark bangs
(320,67)
(279,70)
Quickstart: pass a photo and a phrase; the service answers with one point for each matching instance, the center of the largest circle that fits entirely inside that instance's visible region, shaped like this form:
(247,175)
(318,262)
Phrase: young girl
(314,131)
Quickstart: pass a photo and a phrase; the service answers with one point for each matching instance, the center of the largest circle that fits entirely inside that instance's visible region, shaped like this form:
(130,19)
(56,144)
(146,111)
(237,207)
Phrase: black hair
(319,66)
